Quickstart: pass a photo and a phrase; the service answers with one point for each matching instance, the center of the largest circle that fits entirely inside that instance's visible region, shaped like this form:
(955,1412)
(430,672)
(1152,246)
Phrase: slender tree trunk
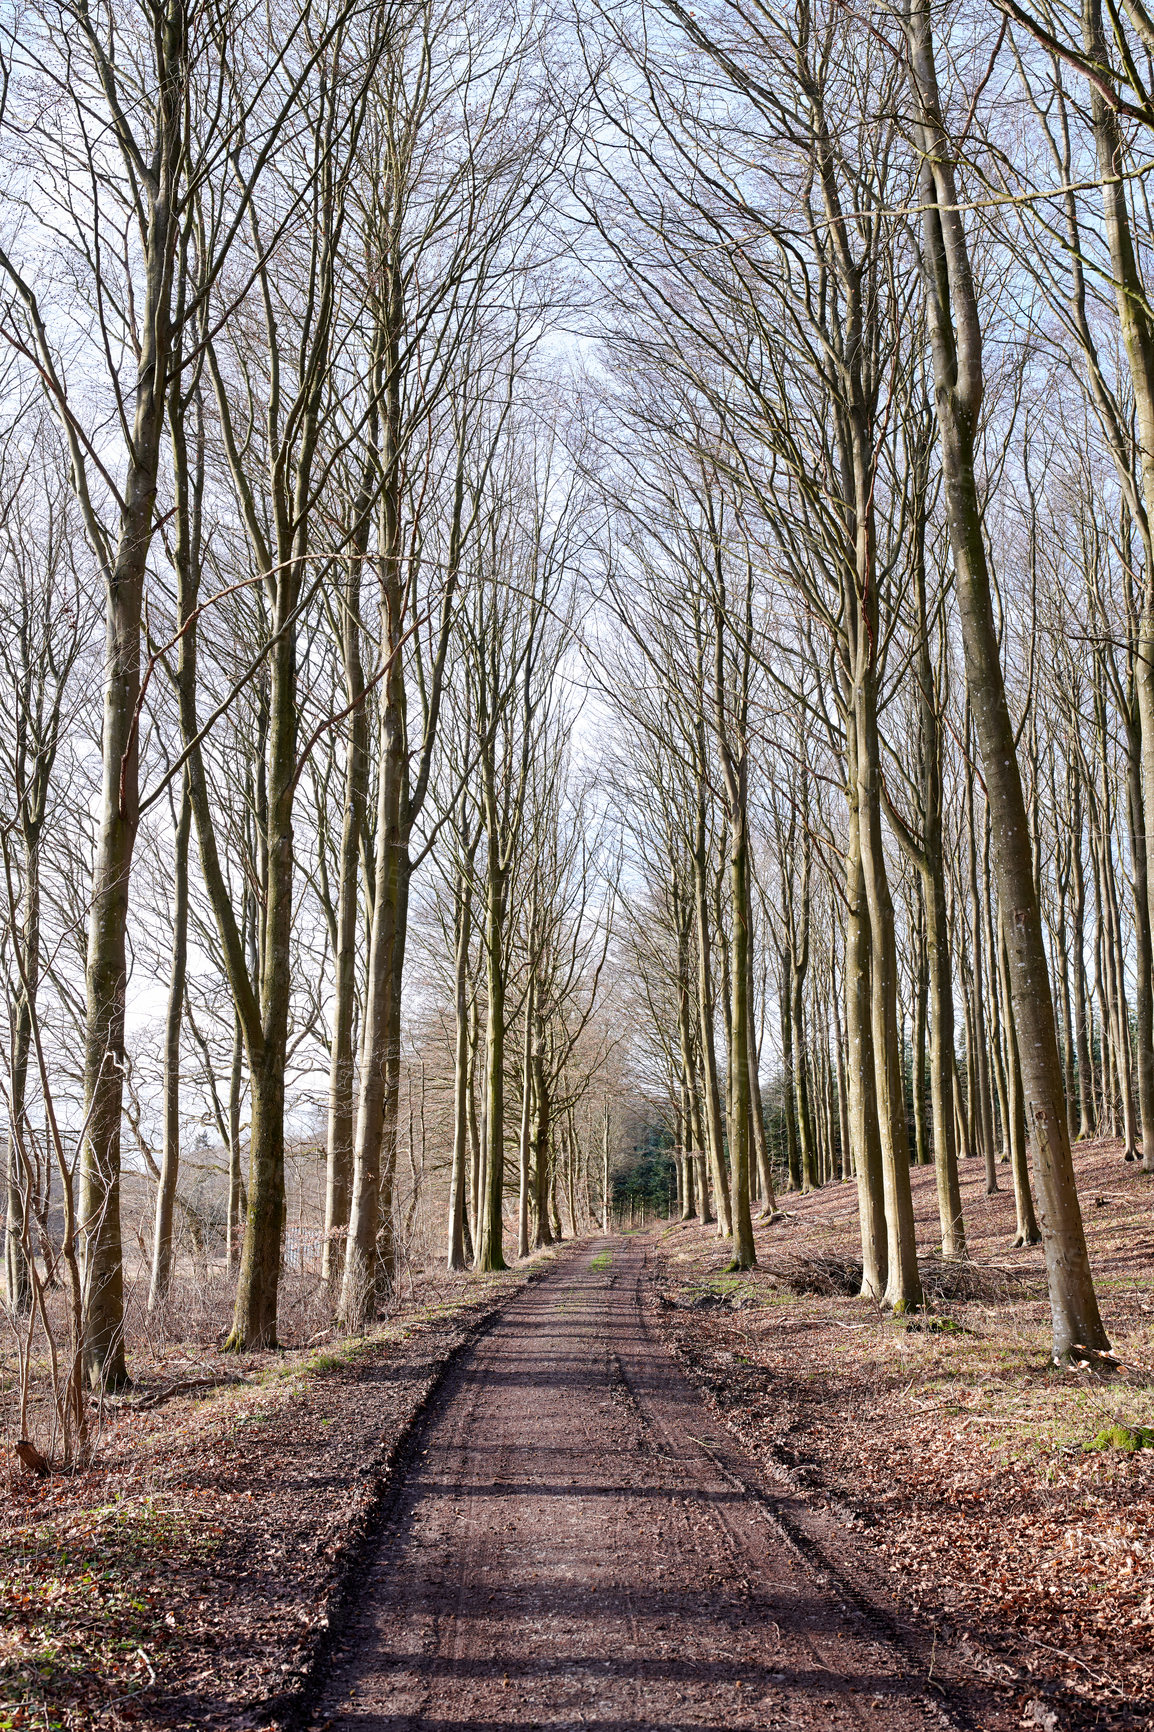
(903,1285)
(237,1201)
(788,1066)
(1137,326)
(1028,1232)
(1062,959)
(863,1116)
(461,1091)
(255,1316)
(526,1121)
(342,1058)
(745,1253)
(756,1107)
(541,1139)
(942,1062)
(1086,1123)
(846,1168)
(1107,1098)
(359,1285)
(387,1250)
(685,1037)
(934,923)
(476,1140)
(170,1143)
(807,1154)
(23,1178)
(705,1012)
(106,970)
(981,1105)
(696,1118)
(490,1252)
(924,1154)
(1144,958)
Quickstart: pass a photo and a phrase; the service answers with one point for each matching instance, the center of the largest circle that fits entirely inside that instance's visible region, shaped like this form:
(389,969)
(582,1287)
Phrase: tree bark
(170,1142)
(956,342)
(863,1115)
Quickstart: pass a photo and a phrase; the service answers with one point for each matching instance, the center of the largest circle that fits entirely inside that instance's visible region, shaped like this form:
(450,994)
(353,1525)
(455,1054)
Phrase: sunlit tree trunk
(170,1141)
(956,341)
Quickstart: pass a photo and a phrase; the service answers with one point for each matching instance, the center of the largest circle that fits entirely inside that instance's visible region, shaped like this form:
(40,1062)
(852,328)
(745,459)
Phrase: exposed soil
(186,1577)
(578,1542)
(978,1484)
(647,1493)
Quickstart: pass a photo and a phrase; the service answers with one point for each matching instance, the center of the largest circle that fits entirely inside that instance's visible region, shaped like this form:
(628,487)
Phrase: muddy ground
(577,1542)
(188,1576)
(983,1487)
(563,1531)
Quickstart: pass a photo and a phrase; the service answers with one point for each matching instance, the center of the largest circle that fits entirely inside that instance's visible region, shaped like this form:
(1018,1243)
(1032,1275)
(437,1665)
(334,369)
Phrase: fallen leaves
(185,1577)
(967,1460)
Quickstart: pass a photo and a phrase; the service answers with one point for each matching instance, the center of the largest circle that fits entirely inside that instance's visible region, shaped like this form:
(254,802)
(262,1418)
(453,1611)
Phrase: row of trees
(881,635)
(317,528)
(280,431)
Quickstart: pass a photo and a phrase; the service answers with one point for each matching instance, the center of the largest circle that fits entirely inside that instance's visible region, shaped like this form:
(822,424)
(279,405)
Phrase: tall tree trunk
(1144,958)
(1086,1121)
(1137,325)
(390,1138)
(526,1120)
(929,858)
(788,1090)
(942,1064)
(22,1169)
(342,1056)
(476,1139)
(710,1086)
(490,1251)
(694,1142)
(541,1140)
(981,1104)
(106,971)
(756,1106)
(1062,963)
(923,1152)
(1028,1232)
(956,340)
(170,1141)
(359,1285)
(903,1283)
(865,1139)
(462,921)
(745,1253)
(846,1169)
(255,1316)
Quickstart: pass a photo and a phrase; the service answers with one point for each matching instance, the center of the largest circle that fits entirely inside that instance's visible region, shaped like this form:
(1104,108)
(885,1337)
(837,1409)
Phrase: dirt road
(571,1546)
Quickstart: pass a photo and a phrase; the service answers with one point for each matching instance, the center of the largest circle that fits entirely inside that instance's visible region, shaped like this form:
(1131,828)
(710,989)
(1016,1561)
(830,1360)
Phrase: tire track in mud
(577,1542)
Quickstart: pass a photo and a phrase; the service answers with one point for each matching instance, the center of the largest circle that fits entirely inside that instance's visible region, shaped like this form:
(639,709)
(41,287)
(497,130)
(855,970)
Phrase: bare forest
(576,788)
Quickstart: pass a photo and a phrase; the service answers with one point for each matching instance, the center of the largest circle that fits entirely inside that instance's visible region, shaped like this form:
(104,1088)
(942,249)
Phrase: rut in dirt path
(568,1549)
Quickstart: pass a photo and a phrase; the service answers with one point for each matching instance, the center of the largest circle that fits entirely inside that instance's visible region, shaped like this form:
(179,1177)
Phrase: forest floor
(646,1493)
(188,1576)
(1000,1500)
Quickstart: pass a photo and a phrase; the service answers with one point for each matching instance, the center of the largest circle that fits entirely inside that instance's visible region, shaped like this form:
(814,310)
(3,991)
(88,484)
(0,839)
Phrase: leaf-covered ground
(187,1576)
(1004,1499)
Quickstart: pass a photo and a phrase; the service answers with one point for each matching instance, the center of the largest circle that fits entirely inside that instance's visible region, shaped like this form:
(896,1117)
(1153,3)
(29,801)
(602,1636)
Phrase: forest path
(568,1548)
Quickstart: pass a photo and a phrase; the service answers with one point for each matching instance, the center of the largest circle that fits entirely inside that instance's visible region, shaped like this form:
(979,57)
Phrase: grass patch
(601,1261)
